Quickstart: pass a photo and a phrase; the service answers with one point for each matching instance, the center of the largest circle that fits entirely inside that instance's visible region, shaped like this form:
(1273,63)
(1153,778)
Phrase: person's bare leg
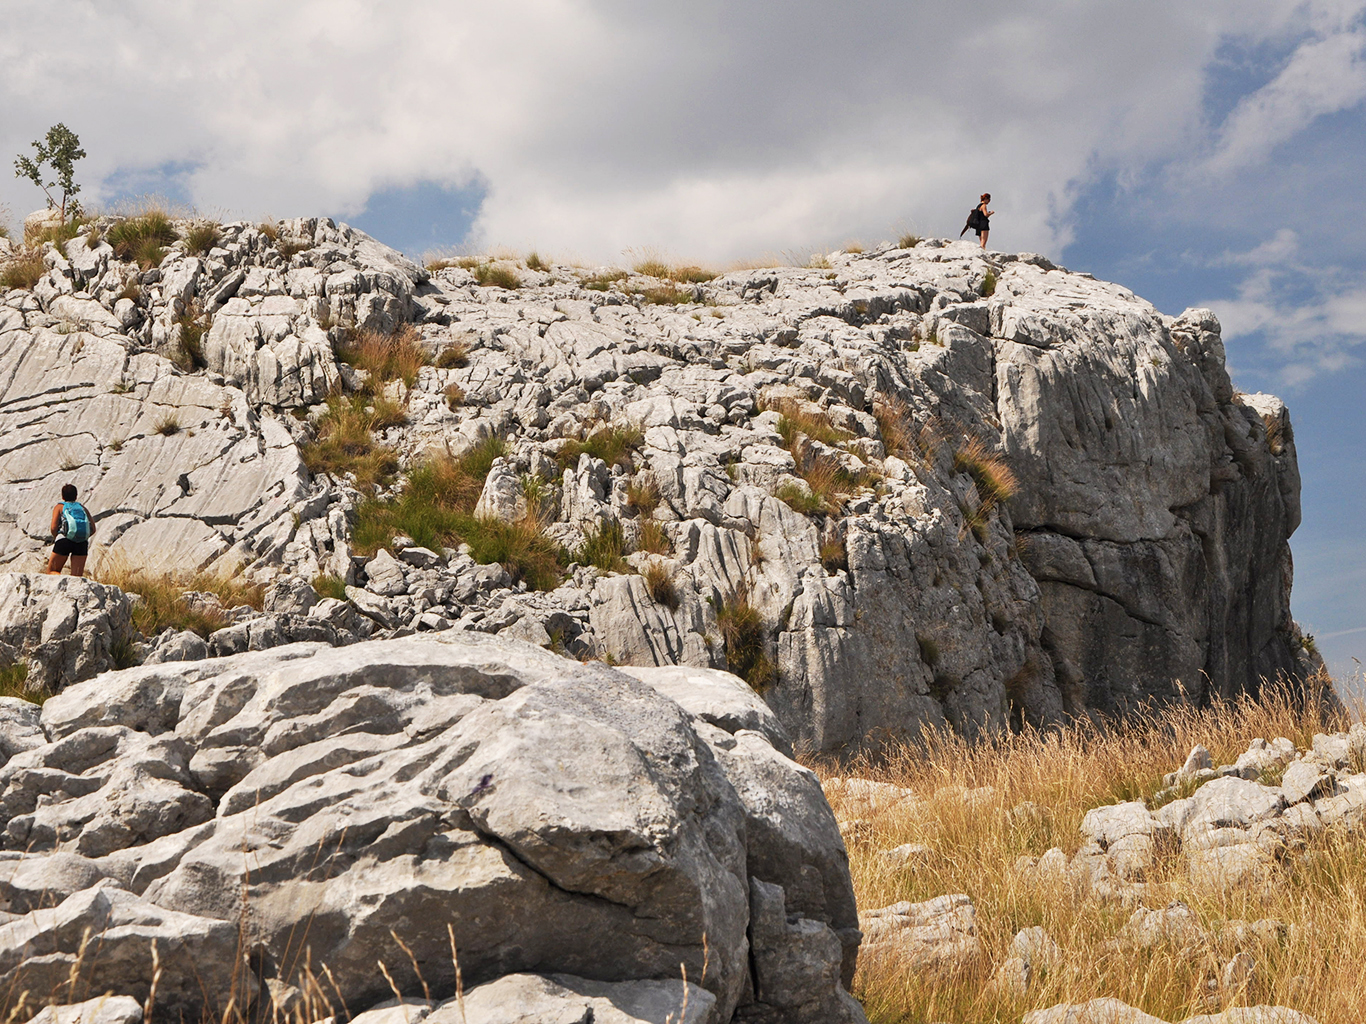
(55,563)
(78,565)
(984,238)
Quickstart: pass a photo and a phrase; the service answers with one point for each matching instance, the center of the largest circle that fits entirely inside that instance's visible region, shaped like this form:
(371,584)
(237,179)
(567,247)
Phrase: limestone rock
(557,816)
(1096,1011)
(66,628)
(101,1010)
(565,999)
(937,935)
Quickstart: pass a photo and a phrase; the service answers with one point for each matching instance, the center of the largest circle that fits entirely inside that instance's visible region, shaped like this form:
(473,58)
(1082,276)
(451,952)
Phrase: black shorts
(80,548)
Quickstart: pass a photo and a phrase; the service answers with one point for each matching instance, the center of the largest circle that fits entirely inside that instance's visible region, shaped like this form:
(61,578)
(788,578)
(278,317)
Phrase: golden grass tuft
(386,357)
(659,582)
(894,423)
(1039,787)
(163,601)
(742,634)
(654,538)
(23,270)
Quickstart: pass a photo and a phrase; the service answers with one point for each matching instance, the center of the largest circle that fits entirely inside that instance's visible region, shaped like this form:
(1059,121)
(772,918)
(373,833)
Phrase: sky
(1204,153)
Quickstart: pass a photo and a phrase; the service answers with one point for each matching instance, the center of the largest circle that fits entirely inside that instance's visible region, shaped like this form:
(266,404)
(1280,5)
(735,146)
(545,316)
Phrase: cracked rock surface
(574,830)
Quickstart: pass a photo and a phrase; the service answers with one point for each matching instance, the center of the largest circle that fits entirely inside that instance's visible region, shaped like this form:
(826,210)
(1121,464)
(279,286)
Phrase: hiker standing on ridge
(979,219)
(73,528)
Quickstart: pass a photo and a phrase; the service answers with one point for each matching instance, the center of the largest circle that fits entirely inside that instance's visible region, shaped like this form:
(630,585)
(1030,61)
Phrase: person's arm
(56,518)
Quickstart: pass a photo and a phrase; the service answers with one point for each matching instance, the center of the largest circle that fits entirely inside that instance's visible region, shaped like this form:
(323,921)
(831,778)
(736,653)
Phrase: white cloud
(712,129)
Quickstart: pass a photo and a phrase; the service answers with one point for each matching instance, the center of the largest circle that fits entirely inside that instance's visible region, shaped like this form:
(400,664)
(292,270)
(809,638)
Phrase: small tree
(61,152)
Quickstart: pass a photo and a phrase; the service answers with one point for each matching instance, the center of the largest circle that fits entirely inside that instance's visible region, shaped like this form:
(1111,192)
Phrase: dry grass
(143,238)
(345,442)
(894,423)
(386,357)
(455,396)
(642,494)
(493,275)
(975,836)
(603,280)
(1275,433)
(659,581)
(23,270)
(654,538)
(614,445)
(993,478)
(194,323)
(163,601)
(14,683)
(202,237)
(604,547)
(742,633)
(453,356)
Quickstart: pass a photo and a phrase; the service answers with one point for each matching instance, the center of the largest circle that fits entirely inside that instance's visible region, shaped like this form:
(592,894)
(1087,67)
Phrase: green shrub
(604,547)
(742,634)
(989,284)
(491,275)
(23,270)
(142,239)
(614,445)
(603,280)
(344,442)
(202,237)
(330,586)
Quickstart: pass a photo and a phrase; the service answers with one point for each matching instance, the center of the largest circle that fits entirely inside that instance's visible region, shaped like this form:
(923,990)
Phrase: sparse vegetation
(742,634)
(385,357)
(894,423)
(614,445)
(455,396)
(908,241)
(142,239)
(797,419)
(603,280)
(493,275)
(193,324)
(453,356)
(14,683)
(167,425)
(801,499)
(692,275)
(989,284)
(603,547)
(202,237)
(270,229)
(59,149)
(654,538)
(1275,433)
(330,586)
(834,554)
(665,295)
(994,479)
(660,584)
(652,267)
(534,262)
(642,494)
(163,601)
(23,270)
(974,839)
(854,248)
(345,443)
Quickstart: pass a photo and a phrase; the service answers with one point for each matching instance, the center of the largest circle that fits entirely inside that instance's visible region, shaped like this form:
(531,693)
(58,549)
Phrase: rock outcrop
(1034,495)
(576,836)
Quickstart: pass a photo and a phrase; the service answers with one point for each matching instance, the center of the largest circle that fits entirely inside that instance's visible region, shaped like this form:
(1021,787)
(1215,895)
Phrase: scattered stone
(1096,1011)
(1303,780)
(102,1010)
(937,935)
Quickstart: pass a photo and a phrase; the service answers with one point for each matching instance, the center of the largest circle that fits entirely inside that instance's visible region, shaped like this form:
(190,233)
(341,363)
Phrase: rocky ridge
(1140,553)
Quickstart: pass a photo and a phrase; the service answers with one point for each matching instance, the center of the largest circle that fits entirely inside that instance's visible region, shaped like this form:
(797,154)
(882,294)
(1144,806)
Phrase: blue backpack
(75,523)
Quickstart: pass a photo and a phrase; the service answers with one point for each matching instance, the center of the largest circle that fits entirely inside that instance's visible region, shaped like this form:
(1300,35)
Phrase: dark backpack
(977,221)
(75,523)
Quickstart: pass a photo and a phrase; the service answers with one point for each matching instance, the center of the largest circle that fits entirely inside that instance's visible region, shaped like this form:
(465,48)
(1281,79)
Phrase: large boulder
(460,792)
(66,628)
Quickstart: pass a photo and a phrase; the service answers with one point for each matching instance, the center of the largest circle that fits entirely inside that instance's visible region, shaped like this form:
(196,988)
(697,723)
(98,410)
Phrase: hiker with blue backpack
(73,528)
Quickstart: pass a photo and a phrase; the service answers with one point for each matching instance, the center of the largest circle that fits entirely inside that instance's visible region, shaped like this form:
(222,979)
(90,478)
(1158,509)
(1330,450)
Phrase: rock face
(1054,501)
(571,830)
(64,628)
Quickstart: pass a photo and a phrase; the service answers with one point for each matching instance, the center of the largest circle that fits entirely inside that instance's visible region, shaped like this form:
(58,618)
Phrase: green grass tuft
(614,445)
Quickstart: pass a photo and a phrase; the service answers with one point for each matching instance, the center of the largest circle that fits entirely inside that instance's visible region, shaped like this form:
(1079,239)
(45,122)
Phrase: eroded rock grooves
(1143,553)
(597,829)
